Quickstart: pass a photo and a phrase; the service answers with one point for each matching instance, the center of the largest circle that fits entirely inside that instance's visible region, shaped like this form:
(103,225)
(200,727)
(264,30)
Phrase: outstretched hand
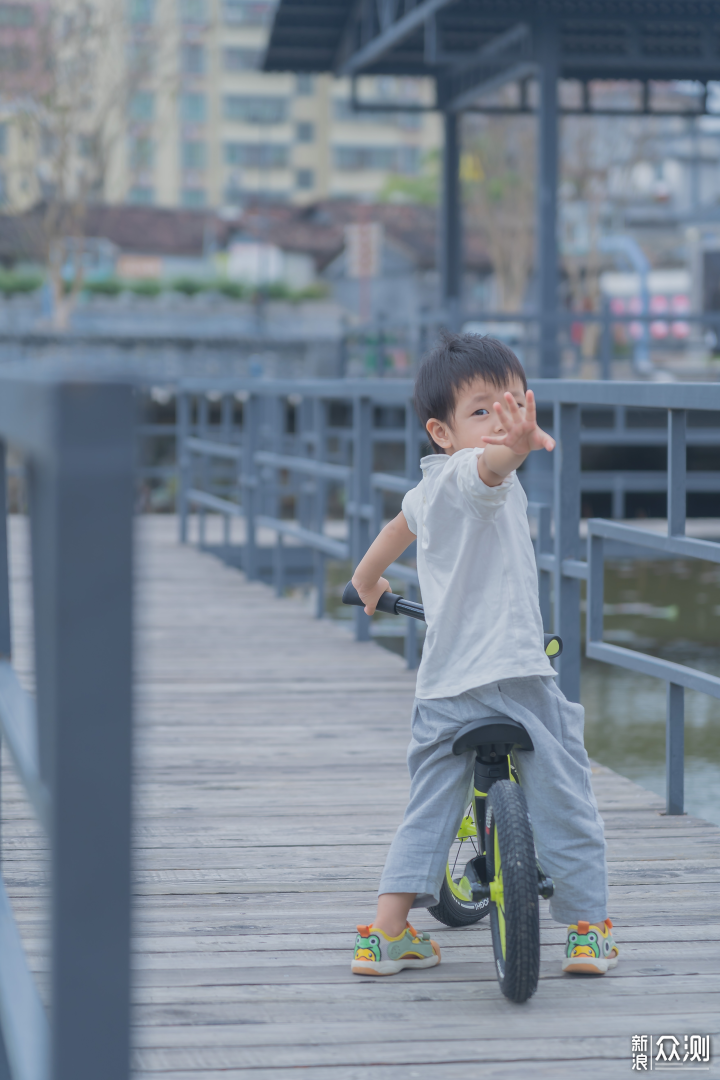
(522,433)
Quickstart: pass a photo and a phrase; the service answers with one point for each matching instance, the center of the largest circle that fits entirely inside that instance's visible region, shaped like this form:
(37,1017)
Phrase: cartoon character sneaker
(591,949)
(378,954)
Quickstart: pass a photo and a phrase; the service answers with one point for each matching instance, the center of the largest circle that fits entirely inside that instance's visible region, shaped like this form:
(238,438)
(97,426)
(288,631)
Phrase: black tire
(515,914)
(456,906)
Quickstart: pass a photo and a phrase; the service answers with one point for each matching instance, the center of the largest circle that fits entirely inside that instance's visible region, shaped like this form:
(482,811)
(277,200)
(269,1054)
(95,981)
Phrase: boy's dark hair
(455,361)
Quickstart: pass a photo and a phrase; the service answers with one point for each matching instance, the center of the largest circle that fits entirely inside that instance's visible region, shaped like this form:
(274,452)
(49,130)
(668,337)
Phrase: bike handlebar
(394,604)
(389,602)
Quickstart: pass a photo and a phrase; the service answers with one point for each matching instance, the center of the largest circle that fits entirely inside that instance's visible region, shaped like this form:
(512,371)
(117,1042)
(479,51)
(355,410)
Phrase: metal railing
(268,450)
(70,744)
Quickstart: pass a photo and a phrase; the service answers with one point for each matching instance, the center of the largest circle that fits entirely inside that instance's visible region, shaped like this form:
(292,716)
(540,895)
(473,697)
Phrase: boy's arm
(387,546)
(504,453)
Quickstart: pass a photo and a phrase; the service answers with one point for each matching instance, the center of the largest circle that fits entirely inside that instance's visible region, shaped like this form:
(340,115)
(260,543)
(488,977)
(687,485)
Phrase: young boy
(483,655)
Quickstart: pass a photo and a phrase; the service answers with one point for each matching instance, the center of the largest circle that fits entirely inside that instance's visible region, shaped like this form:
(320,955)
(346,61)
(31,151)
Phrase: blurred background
(155,180)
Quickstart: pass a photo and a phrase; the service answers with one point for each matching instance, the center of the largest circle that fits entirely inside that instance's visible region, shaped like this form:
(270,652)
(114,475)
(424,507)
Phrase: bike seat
(498,731)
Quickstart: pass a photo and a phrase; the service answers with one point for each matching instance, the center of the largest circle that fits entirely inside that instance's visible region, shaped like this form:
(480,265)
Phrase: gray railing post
(320,500)
(675,750)
(202,407)
(5,635)
(5,632)
(675,714)
(251,432)
(677,471)
(595,587)
(81,542)
(182,455)
(362,468)
(544,547)
(413,434)
(606,342)
(226,418)
(567,524)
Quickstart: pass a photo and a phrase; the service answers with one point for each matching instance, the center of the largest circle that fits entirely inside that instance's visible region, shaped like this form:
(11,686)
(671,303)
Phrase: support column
(450,258)
(546,258)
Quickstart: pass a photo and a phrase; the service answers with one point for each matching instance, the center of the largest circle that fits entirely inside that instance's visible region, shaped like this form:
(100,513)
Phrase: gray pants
(555,777)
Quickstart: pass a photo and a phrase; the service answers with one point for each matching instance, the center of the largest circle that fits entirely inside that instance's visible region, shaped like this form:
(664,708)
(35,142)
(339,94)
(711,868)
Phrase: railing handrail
(557,548)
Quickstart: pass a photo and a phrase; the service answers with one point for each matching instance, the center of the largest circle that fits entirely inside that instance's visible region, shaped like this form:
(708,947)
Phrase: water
(669,608)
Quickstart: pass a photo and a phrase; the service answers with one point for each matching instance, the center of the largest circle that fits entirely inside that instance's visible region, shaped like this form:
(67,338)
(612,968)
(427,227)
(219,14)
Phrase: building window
(193,108)
(14,58)
(142,153)
(256,155)
(142,105)
(343,110)
(239,59)
(402,159)
(193,59)
(193,198)
(194,154)
(141,196)
(140,59)
(305,84)
(193,12)
(87,146)
(248,12)
(305,179)
(48,142)
(305,131)
(16,15)
(141,12)
(255,110)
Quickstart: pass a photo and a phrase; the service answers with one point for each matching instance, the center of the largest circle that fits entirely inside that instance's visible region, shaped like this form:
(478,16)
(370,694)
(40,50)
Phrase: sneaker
(378,954)
(591,949)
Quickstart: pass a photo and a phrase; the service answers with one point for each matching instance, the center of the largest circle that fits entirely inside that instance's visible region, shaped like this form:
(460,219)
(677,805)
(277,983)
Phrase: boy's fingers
(530,410)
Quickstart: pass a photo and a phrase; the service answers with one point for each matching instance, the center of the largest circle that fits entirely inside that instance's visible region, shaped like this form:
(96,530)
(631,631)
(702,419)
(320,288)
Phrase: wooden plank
(263,815)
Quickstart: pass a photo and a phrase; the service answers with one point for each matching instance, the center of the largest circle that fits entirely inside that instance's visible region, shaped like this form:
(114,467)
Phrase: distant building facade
(201,126)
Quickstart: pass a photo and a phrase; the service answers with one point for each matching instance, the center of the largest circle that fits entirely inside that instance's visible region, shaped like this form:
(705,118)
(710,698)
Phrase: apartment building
(206,128)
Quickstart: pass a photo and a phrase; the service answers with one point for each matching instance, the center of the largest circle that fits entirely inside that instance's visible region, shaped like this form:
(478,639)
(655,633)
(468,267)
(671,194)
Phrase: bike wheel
(456,906)
(514,908)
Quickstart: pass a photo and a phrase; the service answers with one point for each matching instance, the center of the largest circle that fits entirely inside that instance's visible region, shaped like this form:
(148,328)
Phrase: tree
(498,168)
(67,81)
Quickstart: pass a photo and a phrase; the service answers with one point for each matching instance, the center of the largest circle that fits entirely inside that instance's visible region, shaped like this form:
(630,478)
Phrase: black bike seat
(492,730)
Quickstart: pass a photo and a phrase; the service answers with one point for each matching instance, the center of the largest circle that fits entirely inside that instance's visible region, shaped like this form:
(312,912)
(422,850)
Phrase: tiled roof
(316,230)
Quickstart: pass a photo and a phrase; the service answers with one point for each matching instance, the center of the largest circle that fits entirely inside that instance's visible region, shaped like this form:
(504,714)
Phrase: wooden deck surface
(270,779)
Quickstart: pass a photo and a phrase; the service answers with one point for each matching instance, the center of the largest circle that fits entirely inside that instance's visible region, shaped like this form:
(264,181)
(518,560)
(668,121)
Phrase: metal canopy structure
(471,48)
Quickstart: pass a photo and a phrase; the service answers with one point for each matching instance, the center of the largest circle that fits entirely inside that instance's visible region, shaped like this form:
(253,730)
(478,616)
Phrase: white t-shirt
(478,578)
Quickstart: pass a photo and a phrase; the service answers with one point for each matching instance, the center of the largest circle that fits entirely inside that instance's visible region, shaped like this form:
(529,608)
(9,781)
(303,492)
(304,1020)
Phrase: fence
(269,456)
(70,745)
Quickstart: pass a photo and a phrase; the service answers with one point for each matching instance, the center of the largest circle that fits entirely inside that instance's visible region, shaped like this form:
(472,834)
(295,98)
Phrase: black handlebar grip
(386,603)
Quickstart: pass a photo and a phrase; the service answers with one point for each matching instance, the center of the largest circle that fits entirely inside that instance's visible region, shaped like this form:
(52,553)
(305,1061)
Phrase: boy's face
(474,416)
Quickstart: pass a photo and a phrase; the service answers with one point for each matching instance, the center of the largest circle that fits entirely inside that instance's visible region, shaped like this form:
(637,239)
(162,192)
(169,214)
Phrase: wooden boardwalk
(270,778)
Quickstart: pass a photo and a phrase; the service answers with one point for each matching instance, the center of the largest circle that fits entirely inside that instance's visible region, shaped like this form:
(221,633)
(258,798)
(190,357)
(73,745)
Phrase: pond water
(669,608)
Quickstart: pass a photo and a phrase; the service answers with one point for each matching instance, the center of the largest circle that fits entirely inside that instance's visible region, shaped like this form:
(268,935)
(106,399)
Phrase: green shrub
(232,289)
(318,291)
(144,287)
(104,287)
(13,282)
(277,290)
(188,286)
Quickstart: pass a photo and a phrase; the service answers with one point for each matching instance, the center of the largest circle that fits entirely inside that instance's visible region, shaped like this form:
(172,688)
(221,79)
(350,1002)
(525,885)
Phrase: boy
(483,655)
